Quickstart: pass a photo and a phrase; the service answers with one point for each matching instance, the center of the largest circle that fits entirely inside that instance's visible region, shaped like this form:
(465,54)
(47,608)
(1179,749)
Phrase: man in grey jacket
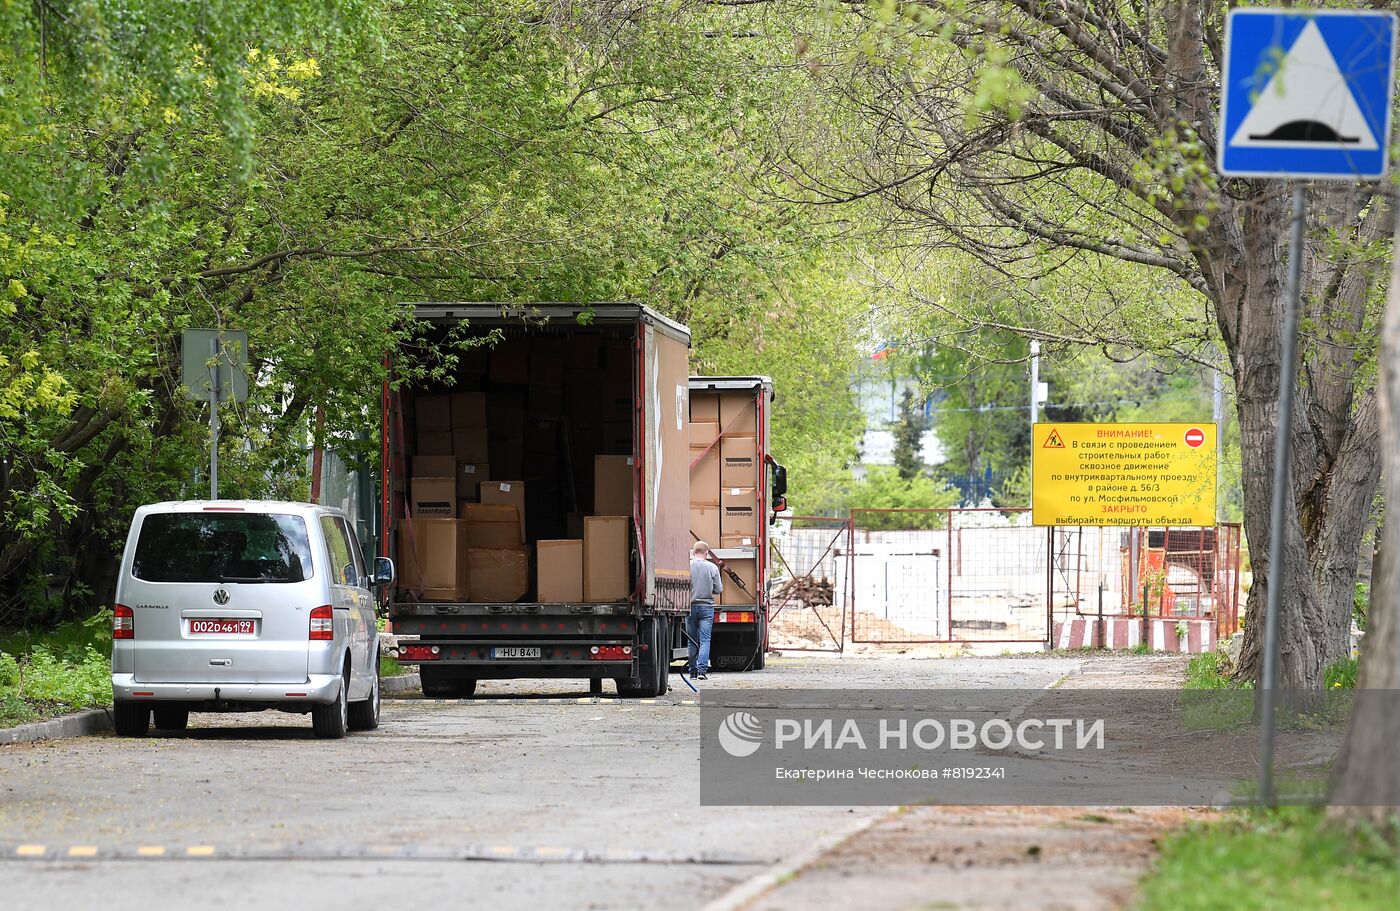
(705,586)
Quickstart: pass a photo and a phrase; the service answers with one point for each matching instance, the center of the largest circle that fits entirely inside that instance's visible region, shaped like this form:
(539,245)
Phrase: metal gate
(811,584)
(949,575)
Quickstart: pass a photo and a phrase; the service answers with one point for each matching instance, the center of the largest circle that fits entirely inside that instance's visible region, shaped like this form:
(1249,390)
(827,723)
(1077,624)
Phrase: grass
(43,675)
(1287,858)
(388,667)
(1207,672)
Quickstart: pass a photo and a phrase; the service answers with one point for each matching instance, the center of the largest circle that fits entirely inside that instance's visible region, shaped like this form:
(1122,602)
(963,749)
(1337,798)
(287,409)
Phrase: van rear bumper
(321,688)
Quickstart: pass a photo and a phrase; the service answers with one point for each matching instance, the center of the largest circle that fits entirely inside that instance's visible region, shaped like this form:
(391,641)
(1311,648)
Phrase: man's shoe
(701,677)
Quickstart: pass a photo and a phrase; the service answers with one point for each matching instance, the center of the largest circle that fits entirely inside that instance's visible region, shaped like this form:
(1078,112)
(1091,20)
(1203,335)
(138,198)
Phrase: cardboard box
(738,412)
(703,433)
(474,362)
(582,401)
(559,571)
(583,352)
(738,461)
(470,444)
(607,571)
(468,409)
(746,570)
(704,524)
(617,437)
(546,402)
(547,356)
(442,573)
(510,493)
(497,575)
(434,442)
(434,497)
(612,485)
(541,436)
(619,355)
(508,456)
(408,578)
(432,412)
(469,478)
(490,525)
(434,466)
(510,361)
(704,477)
(738,511)
(729,541)
(704,408)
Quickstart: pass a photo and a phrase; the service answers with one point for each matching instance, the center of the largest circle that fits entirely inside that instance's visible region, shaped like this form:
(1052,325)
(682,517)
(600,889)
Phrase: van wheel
(330,722)
(364,715)
(172,719)
(131,719)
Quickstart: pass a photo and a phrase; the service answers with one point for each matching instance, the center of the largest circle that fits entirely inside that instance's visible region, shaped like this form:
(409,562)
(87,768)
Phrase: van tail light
(322,623)
(123,622)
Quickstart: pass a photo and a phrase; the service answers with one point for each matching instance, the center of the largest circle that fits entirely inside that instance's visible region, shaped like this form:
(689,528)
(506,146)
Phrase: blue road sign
(1307,93)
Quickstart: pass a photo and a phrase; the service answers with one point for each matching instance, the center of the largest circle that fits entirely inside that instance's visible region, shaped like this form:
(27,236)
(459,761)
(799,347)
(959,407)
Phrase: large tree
(1052,139)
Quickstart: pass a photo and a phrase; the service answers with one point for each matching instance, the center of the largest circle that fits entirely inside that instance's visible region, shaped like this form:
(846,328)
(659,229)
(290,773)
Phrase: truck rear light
(419,652)
(734,616)
(123,622)
(322,623)
(610,652)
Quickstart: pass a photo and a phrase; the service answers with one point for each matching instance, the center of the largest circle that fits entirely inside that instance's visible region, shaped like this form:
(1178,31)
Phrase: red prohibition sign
(1195,437)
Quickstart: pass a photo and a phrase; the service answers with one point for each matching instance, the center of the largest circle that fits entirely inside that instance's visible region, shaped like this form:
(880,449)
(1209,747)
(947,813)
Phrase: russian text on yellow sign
(1123,474)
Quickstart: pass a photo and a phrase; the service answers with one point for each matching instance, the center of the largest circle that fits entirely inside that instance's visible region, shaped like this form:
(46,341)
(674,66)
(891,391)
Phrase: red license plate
(222,627)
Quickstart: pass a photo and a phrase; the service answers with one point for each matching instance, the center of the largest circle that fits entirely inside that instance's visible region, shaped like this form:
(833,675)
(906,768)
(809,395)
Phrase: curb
(91,721)
(750,890)
(402,683)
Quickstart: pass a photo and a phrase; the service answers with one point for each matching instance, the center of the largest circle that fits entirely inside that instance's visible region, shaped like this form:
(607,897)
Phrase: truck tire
(649,668)
(131,719)
(330,722)
(442,683)
(760,659)
(172,718)
(663,654)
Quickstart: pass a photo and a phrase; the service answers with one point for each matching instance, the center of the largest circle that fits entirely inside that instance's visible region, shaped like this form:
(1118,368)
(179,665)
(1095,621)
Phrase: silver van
(243,605)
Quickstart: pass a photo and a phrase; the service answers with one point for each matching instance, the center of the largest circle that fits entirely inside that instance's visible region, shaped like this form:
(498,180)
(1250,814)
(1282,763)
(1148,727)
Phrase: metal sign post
(1306,96)
(214,369)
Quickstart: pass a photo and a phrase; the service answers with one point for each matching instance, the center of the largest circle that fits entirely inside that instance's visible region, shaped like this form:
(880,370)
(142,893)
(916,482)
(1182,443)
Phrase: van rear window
(222,547)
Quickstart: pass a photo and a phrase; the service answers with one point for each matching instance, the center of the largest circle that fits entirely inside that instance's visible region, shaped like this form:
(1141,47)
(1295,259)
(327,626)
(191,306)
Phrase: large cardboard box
(546,401)
(510,361)
(490,525)
(704,477)
(559,571)
(442,573)
(406,573)
(704,408)
(582,400)
(547,358)
(738,461)
(434,466)
(746,570)
(469,478)
(432,412)
(728,541)
(607,571)
(738,412)
(583,352)
(471,444)
(510,493)
(468,409)
(738,511)
(434,496)
(434,442)
(703,433)
(497,575)
(704,524)
(612,485)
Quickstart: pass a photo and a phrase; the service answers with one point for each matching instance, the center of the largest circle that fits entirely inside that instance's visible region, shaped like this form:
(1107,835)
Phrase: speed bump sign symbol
(1306,93)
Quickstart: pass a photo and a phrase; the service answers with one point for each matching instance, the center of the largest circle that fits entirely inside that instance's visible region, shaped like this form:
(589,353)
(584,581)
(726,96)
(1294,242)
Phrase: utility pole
(1035,382)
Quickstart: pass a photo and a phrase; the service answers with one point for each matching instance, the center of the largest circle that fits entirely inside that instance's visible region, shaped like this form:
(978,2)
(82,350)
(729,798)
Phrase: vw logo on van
(221,596)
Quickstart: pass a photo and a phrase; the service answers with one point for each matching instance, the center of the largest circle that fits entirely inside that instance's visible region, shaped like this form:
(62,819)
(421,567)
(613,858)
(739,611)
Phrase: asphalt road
(532,796)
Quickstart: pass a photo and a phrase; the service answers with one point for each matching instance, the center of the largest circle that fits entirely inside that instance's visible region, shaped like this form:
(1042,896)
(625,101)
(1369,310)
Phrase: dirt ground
(1034,858)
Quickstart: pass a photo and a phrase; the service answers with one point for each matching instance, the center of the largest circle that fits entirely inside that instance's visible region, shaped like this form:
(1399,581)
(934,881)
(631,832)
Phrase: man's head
(700,551)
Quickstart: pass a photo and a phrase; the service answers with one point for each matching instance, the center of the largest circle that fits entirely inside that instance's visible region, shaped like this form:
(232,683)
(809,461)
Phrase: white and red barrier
(1185,635)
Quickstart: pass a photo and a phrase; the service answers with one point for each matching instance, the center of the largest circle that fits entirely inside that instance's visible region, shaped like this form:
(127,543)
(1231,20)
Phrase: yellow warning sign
(1123,474)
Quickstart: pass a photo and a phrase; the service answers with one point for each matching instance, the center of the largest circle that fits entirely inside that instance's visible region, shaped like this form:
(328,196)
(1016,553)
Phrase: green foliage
(388,667)
(1360,605)
(908,438)
(44,674)
(1286,858)
(1342,675)
(883,488)
(1207,671)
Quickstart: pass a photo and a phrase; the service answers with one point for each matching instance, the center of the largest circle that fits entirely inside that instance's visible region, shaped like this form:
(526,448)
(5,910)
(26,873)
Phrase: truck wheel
(649,667)
(131,719)
(441,683)
(663,654)
(172,718)
(364,715)
(761,658)
(330,722)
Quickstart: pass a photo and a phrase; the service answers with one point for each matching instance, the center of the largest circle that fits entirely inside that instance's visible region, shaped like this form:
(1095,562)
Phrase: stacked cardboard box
(494,557)
(560,571)
(606,564)
(705,468)
(740,510)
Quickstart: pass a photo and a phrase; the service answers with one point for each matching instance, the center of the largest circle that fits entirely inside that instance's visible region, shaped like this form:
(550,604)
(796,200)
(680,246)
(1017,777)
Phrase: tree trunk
(1367,778)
